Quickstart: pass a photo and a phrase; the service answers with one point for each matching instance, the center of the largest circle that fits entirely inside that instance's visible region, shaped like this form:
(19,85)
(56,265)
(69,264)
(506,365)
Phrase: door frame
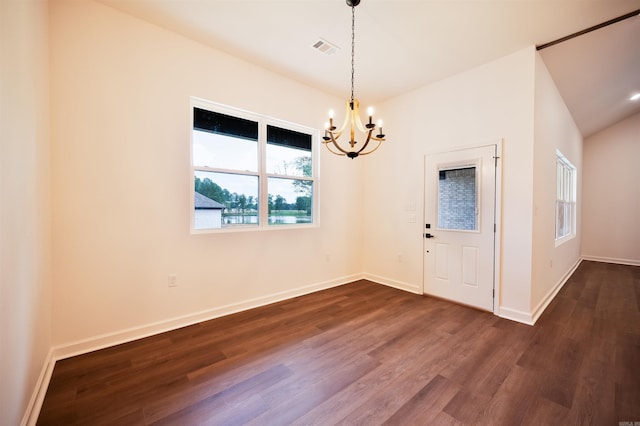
(497,216)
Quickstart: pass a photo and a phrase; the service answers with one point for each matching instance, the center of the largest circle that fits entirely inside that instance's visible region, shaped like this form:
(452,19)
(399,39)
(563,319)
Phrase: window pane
(224,152)
(290,138)
(558,180)
(222,124)
(225,199)
(225,142)
(565,207)
(288,152)
(571,185)
(288,161)
(559,219)
(457,199)
(290,201)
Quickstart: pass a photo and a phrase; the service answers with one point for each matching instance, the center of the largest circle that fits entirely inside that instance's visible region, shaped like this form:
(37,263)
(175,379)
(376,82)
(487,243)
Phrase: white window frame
(263,177)
(566,186)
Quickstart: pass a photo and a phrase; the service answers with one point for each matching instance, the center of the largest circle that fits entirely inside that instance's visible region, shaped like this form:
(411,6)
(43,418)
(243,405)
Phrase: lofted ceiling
(405,44)
(597,72)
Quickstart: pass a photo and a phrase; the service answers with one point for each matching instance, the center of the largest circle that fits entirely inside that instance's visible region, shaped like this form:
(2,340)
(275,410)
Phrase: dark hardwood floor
(366,354)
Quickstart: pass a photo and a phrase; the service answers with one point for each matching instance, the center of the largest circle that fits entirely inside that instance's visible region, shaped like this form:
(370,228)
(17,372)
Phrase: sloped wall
(554,130)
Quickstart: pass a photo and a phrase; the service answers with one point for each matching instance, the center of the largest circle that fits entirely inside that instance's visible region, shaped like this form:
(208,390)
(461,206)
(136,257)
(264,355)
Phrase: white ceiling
(405,44)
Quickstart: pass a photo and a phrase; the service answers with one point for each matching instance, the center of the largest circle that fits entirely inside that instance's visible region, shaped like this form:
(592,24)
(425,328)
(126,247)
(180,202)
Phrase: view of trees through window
(293,205)
(229,174)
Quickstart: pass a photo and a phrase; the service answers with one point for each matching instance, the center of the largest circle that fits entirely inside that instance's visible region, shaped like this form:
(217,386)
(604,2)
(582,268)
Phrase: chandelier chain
(353,49)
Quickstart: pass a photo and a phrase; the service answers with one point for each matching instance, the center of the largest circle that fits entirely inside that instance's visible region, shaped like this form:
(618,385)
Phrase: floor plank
(367,354)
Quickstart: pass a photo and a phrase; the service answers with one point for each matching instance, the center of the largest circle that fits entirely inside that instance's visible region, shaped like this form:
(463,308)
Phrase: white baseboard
(629,262)
(35,403)
(516,315)
(507,313)
(134,333)
(412,288)
(530,318)
(123,336)
(553,292)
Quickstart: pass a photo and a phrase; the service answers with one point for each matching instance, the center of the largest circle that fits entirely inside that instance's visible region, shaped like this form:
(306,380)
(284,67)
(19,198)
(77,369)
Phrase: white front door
(460,201)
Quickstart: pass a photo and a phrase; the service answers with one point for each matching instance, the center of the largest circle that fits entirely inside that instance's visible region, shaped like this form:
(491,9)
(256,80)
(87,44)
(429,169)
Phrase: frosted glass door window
(457,199)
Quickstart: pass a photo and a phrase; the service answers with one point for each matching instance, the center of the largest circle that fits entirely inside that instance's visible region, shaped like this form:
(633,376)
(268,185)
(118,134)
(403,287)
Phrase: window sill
(252,229)
(565,239)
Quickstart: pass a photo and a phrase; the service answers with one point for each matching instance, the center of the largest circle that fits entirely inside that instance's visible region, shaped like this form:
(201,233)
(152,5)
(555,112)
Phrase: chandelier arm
(332,151)
(333,140)
(336,135)
(366,142)
(347,114)
(373,150)
(359,125)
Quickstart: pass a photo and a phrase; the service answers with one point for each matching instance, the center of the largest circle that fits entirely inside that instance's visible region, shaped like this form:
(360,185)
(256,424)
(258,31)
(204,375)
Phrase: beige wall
(513,99)
(482,105)
(25,286)
(122,184)
(554,130)
(611,231)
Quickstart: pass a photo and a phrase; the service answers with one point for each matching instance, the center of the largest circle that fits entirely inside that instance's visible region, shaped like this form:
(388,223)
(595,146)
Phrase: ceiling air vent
(325,47)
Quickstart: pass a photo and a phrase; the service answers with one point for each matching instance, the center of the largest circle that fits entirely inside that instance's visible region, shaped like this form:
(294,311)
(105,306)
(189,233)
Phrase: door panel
(470,266)
(442,264)
(460,212)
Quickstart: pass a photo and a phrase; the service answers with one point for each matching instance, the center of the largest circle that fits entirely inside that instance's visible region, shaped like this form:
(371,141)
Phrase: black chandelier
(352,115)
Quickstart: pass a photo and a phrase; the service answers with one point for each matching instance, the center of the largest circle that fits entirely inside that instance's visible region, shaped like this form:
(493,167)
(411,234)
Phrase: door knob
(429,235)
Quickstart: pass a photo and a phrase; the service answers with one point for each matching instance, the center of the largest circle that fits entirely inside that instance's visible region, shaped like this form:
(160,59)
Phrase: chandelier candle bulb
(380,135)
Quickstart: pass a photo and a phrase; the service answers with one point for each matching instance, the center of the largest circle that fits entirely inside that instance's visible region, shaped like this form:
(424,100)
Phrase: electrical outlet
(173,280)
